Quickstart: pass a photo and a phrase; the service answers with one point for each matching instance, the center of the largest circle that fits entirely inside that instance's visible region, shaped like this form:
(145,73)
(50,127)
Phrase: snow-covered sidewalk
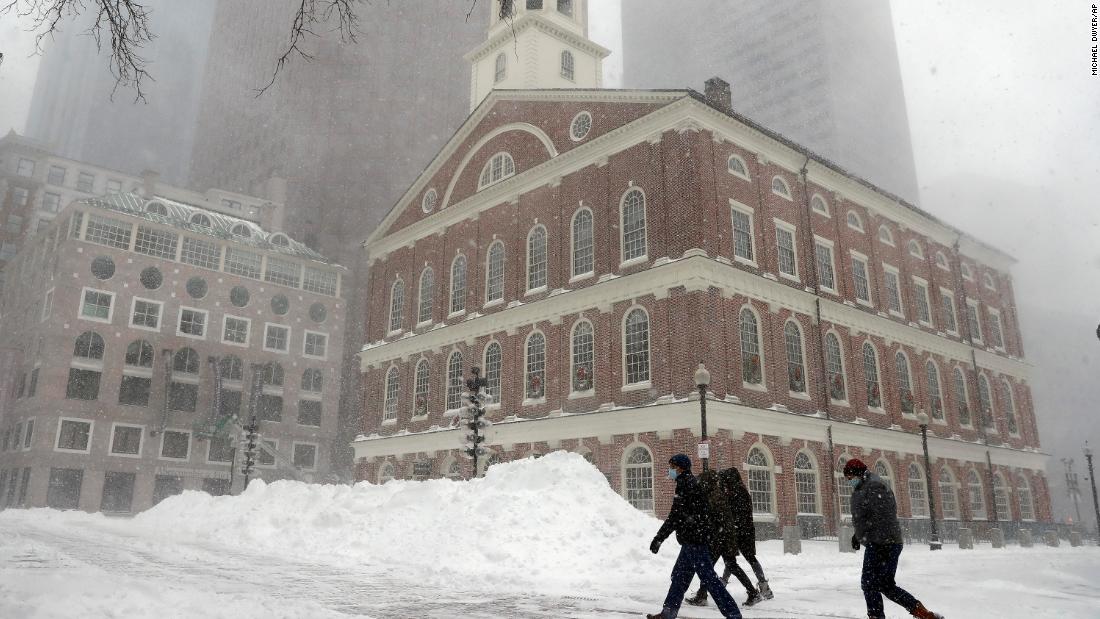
(535,538)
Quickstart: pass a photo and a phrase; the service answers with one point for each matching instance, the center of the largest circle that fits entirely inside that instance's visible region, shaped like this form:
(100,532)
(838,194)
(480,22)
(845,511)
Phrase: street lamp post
(702,381)
(1072,489)
(934,535)
(1092,482)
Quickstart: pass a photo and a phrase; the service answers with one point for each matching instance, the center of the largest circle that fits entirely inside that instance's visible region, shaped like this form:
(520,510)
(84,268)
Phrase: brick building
(136,328)
(590,248)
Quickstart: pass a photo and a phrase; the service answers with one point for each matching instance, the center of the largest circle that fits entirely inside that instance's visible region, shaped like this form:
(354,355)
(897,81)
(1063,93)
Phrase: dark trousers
(880,563)
(696,560)
(735,570)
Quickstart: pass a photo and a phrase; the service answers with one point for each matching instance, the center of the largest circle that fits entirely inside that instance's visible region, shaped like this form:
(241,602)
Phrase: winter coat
(723,534)
(741,506)
(688,517)
(875,512)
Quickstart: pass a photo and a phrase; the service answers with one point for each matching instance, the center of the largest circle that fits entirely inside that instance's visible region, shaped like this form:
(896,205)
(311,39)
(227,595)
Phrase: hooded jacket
(875,512)
(688,516)
(741,508)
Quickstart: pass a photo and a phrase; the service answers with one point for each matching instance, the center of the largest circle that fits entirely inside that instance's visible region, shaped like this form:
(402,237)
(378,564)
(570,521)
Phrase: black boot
(754,598)
(699,599)
(765,590)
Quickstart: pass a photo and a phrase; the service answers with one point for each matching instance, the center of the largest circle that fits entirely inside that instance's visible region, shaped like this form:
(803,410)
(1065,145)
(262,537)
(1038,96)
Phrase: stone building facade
(140,333)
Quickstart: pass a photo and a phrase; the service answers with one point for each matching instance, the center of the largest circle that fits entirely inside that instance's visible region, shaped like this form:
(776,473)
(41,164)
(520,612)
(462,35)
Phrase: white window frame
(47,305)
(763,384)
(744,166)
(967,272)
(920,286)
(527,401)
(645,384)
(623,260)
(922,481)
(503,273)
(914,244)
(805,393)
(830,246)
(190,445)
(305,336)
(941,261)
(573,275)
(505,157)
(26,442)
(786,193)
(205,322)
(950,296)
(987,282)
(141,446)
(888,238)
(529,290)
(160,314)
(859,221)
(893,270)
(843,368)
(57,436)
(573,125)
(624,465)
(747,210)
(316,454)
(390,314)
(996,322)
(861,258)
(451,312)
(772,470)
(248,335)
(977,337)
(812,471)
(268,325)
(793,231)
(274,447)
(389,411)
(824,211)
(573,393)
(80,307)
(428,205)
(420,297)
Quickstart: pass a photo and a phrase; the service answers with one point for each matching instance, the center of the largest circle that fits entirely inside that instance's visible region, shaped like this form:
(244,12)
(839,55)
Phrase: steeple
(536,44)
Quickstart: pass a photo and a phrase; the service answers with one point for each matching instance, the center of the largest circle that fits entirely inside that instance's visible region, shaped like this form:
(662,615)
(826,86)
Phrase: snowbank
(554,521)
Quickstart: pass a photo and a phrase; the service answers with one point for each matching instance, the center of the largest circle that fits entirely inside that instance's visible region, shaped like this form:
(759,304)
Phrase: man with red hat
(875,518)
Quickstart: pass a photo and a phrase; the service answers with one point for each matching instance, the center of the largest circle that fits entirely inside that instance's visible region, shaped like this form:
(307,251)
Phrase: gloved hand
(655,546)
(855,543)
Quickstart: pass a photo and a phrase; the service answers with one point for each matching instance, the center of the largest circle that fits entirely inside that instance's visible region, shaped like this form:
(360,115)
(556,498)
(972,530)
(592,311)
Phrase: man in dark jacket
(688,518)
(875,518)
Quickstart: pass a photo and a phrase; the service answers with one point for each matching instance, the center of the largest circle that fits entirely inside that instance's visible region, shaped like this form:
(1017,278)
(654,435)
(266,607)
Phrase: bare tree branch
(309,15)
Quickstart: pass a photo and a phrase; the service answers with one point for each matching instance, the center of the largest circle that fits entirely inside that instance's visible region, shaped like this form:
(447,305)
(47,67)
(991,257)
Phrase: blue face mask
(673,473)
(854,482)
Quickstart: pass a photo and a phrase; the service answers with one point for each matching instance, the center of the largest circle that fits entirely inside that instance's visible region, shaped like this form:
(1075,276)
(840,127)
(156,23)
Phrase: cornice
(527,21)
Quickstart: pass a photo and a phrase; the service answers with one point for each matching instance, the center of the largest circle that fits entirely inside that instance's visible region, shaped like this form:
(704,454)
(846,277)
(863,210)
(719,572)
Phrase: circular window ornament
(239,296)
(280,304)
(196,287)
(581,125)
(151,278)
(103,267)
(317,312)
(431,198)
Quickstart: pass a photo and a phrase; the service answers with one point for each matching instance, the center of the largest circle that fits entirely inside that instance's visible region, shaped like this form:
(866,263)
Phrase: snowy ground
(536,539)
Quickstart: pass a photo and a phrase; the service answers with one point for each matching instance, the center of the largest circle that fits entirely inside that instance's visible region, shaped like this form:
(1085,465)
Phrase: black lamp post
(702,380)
(474,417)
(1092,482)
(933,535)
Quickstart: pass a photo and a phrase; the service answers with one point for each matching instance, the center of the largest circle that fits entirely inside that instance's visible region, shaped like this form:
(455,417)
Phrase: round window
(318,312)
(280,304)
(196,287)
(581,125)
(430,198)
(239,296)
(103,267)
(151,278)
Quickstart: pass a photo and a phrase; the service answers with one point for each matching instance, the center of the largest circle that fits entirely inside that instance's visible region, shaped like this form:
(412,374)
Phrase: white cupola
(536,44)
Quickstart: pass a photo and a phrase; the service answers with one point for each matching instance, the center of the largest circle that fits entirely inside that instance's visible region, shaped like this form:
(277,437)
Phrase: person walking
(741,532)
(875,518)
(688,518)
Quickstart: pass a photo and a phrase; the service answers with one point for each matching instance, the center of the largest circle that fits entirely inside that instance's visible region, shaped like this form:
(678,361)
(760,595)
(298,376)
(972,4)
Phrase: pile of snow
(554,521)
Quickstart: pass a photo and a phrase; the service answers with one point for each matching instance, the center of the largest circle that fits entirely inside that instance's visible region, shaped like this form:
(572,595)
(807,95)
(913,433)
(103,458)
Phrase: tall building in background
(825,75)
(72,111)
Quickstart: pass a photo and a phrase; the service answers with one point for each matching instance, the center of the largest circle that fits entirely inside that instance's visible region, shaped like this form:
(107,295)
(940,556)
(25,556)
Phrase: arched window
(1009,404)
(567,65)
(737,167)
(843,488)
(779,188)
(582,355)
(752,363)
(501,68)
(964,268)
(156,208)
(854,222)
(397,304)
(393,384)
(962,399)
(905,383)
(427,288)
(273,375)
(186,360)
(280,240)
(313,381)
(941,261)
(638,479)
(494,273)
(420,388)
(139,354)
(885,236)
(386,473)
(535,369)
(985,401)
(536,258)
(454,381)
(818,205)
(758,468)
(805,480)
(201,220)
(870,373)
(583,247)
(500,167)
(634,230)
(949,494)
(240,230)
(231,368)
(89,345)
(796,369)
(834,364)
(1023,494)
(977,496)
(918,492)
(636,351)
(987,281)
(935,396)
(915,249)
(882,469)
(493,355)
(1000,498)
(454,470)
(458,284)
